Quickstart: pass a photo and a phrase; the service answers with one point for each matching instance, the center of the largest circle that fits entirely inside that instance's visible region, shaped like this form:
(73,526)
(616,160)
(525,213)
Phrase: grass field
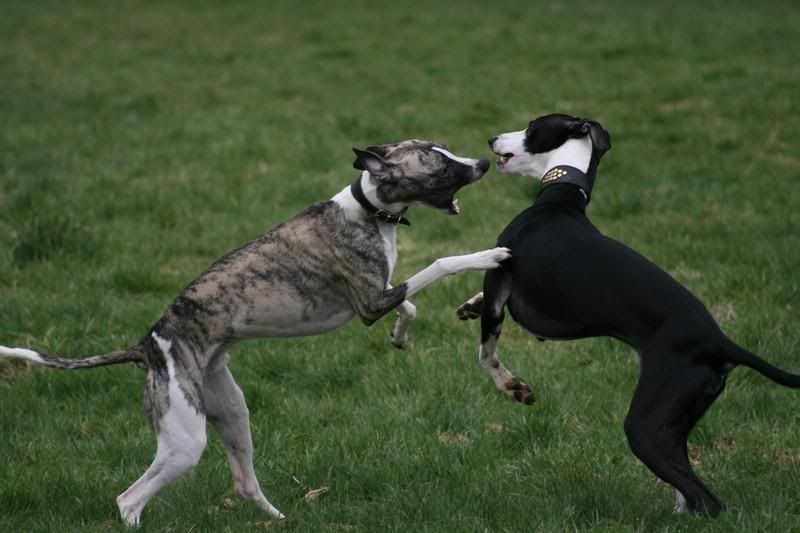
(141,140)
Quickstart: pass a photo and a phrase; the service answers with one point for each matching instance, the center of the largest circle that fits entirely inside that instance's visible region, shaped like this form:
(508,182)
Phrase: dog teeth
(455,208)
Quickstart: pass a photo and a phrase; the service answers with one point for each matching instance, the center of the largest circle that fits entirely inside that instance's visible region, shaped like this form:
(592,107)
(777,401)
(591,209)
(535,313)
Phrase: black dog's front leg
(496,290)
(471,309)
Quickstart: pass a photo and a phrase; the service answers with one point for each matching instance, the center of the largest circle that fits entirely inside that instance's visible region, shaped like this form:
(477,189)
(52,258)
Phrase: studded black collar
(568,174)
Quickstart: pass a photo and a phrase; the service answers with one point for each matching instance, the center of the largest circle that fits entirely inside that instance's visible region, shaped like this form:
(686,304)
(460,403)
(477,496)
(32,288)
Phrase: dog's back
(571,281)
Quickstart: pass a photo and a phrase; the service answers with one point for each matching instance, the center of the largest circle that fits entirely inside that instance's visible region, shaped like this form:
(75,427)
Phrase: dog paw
(399,334)
(496,256)
(478,261)
(520,391)
(399,342)
(470,310)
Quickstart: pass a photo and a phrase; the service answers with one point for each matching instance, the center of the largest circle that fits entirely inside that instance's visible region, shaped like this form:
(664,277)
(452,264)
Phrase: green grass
(141,140)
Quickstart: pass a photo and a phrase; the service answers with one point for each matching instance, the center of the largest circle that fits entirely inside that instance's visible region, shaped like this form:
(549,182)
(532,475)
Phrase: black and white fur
(306,276)
(568,281)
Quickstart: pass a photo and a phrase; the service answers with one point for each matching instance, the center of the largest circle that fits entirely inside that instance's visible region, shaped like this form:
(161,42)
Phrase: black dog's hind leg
(496,290)
(670,399)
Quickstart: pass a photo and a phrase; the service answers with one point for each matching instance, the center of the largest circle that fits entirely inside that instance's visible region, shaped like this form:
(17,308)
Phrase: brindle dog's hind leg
(228,413)
(180,425)
(496,290)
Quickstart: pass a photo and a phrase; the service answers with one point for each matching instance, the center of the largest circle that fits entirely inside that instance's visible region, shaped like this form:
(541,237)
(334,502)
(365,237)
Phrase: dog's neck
(361,198)
(576,153)
(572,165)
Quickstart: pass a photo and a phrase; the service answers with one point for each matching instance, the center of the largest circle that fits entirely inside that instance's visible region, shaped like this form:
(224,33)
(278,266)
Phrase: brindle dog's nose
(492,140)
(484,165)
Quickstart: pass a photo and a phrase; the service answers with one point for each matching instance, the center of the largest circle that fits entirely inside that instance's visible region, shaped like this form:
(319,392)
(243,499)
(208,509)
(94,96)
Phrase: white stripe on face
(510,143)
(462,160)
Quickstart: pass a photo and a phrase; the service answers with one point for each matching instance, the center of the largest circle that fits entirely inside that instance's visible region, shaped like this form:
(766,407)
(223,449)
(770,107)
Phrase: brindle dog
(306,276)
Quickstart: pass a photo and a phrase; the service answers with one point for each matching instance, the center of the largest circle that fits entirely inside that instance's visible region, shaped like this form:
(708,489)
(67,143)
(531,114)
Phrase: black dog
(568,281)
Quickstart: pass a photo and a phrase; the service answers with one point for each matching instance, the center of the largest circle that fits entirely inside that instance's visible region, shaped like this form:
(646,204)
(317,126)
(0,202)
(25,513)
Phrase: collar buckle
(390,218)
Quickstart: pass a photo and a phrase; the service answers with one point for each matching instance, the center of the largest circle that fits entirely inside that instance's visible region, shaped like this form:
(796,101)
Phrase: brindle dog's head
(423,172)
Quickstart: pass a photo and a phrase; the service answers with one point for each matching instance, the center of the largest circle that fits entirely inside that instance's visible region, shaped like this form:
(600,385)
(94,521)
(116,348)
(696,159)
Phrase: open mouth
(454,208)
(451,206)
(502,159)
(446,200)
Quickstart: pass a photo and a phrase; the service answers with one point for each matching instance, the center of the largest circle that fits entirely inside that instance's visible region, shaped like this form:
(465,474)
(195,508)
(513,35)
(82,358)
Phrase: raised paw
(399,340)
(471,309)
(492,258)
(406,313)
(399,332)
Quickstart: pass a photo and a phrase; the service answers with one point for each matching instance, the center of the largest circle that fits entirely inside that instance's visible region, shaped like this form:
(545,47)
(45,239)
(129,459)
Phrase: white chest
(389,235)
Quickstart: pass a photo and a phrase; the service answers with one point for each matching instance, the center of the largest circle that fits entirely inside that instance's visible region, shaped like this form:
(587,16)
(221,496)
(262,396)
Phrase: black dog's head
(419,172)
(528,152)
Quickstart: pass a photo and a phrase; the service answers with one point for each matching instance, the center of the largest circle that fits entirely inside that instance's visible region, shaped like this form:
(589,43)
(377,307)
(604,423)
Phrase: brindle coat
(306,276)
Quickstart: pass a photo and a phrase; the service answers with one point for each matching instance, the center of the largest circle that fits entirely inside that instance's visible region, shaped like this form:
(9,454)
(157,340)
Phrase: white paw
(681,507)
(398,335)
(490,259)
(131,519)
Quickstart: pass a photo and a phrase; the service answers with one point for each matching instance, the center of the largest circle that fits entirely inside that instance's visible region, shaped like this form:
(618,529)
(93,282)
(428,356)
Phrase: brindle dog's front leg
(406,313)
(370,306)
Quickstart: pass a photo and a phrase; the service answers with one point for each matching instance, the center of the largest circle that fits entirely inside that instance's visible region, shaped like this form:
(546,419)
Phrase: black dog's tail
(737,354)
(134,354)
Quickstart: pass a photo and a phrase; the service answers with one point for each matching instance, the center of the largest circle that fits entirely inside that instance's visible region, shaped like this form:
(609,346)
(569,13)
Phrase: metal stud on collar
(553,174)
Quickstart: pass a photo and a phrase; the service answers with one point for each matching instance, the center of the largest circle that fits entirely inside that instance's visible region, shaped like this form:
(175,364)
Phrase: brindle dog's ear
(380,149)
(371,162)
(601,140)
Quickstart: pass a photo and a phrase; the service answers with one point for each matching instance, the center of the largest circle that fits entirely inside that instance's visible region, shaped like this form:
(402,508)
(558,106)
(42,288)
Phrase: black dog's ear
(601,140)
(371,162)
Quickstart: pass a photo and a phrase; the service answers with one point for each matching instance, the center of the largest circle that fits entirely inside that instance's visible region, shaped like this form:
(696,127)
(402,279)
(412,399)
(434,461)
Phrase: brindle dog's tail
(134,354)
(740,356)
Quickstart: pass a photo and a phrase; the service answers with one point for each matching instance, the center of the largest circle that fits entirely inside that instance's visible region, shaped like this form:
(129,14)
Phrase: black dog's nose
(492,140)
(484,165)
